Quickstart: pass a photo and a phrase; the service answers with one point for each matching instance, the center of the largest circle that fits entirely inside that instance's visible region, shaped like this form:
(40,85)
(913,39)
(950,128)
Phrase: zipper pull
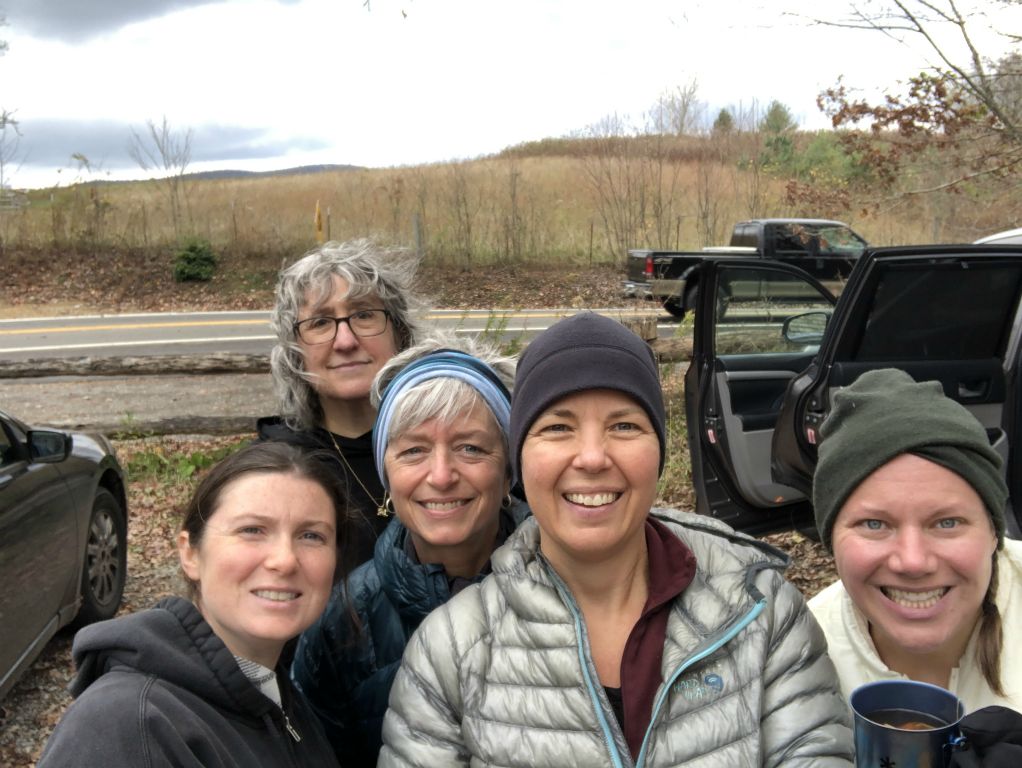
(290,729)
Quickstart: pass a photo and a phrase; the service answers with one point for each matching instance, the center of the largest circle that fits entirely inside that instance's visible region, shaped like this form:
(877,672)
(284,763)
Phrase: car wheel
(674,307)
(692,298)
(105,565)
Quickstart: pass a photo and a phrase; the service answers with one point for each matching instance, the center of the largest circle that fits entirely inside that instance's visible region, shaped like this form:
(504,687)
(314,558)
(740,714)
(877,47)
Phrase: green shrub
(195,262)
(162,463)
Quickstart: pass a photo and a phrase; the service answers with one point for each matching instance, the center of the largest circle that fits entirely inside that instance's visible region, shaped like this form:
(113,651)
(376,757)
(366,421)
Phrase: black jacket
(159,688)
(347,674)
(366,524)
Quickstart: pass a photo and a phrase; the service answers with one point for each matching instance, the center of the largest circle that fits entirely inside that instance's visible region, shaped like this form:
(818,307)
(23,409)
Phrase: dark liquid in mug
(906,719)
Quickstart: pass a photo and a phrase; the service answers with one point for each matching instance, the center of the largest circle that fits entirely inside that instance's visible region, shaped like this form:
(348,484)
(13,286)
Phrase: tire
(692,298)
(673,307)
(105,564)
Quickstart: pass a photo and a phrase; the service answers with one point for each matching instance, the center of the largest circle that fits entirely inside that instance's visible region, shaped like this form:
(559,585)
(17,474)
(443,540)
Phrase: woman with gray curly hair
(341,312)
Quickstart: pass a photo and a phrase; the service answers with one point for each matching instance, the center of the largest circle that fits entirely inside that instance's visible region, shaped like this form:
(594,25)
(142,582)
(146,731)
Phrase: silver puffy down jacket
(502,674)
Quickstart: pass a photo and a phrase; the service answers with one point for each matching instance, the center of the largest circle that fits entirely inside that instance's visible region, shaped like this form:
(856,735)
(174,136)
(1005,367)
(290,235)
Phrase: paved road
(201,333)
(176,403)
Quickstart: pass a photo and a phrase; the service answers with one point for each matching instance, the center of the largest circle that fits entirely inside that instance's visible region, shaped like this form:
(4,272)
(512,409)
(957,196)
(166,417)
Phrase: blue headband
(442,364)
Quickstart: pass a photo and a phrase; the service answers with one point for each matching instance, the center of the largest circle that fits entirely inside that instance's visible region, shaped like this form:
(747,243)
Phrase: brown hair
(264,458)
(991,635)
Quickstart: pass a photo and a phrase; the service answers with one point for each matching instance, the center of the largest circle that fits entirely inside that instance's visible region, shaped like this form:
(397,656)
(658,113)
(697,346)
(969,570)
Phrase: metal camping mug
(904,724)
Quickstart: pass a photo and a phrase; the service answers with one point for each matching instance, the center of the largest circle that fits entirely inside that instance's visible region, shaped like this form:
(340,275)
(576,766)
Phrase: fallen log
(149,365)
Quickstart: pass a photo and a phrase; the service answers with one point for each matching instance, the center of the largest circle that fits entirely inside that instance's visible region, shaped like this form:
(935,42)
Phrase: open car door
(766,364)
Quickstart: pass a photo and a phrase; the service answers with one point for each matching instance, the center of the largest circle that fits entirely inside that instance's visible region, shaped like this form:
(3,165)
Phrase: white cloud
(413,80)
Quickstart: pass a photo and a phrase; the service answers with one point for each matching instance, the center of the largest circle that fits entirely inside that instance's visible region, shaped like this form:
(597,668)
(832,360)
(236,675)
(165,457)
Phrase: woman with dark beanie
(910,497)
(610,633)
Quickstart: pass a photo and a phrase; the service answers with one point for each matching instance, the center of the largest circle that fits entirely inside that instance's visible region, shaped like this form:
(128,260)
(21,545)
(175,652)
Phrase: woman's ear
(188,555)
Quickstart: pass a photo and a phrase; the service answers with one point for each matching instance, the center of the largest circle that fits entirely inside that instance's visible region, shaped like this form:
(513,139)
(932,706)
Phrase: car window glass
(753,306)
(918,312)
(8,454)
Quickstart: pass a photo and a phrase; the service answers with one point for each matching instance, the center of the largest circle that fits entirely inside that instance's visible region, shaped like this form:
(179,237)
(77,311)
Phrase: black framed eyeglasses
(323,328)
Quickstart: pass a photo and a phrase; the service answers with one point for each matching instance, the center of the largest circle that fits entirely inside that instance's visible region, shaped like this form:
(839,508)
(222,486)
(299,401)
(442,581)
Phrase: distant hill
(299,170)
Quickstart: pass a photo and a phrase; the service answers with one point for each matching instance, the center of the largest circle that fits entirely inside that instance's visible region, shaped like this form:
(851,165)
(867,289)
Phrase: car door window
(922,313)
(755,307)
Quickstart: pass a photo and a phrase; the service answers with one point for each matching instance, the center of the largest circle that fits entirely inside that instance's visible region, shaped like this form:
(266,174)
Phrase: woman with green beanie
(910,497)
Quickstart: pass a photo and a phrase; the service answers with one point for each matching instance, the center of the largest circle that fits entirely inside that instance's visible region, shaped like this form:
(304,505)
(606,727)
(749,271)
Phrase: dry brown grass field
(580,202)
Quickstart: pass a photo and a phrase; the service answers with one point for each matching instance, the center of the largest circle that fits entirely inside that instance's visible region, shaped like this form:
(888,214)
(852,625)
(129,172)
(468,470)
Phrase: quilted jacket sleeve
(805,721)
(422,727)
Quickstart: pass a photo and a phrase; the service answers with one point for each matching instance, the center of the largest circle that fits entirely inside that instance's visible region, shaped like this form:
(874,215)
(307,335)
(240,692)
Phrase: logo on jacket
(704,684)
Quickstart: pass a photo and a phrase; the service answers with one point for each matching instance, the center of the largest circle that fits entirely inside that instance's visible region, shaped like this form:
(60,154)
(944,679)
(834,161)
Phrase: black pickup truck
(822,248)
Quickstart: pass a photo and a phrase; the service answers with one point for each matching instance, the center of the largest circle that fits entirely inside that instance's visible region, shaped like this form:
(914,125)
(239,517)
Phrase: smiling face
(264,566)
(344,368)
(913,546)
(589,466)
(447,482)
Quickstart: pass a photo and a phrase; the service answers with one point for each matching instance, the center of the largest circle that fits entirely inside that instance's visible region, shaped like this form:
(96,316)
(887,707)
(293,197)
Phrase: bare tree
(618,179)
(965,107)
(679,110)
(166,151)
(10,138)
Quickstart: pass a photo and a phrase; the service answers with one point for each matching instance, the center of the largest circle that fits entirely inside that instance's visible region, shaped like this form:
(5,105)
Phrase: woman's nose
(281,555)
(344,339)
(591,455)
(913,554)
(442,472)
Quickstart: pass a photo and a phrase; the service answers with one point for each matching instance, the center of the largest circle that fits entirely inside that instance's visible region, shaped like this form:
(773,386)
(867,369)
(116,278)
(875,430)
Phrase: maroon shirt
(671,569)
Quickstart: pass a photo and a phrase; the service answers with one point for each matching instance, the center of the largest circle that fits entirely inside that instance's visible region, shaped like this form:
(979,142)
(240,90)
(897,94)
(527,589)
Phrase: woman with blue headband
(441,449)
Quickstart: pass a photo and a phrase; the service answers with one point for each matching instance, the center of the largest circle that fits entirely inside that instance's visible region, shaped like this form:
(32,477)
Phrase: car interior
(770,369)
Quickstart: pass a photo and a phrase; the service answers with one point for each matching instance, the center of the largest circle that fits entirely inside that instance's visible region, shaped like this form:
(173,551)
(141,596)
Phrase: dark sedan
(63,538)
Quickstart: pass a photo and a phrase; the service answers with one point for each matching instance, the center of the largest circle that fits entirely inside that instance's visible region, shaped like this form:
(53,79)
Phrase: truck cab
(825,249)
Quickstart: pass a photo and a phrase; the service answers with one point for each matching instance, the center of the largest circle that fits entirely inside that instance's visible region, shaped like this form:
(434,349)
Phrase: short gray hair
(444,399)
(368,269)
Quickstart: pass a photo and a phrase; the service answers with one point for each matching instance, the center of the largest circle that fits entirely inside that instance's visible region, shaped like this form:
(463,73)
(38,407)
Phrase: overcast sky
(269,84)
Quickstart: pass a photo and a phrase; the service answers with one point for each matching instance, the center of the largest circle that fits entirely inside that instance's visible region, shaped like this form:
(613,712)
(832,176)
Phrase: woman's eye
(873,525)
(317,323)
(948,523)
(552,428)
(410,453)
(314,536)
(474,450)
(625,426)
(250,530)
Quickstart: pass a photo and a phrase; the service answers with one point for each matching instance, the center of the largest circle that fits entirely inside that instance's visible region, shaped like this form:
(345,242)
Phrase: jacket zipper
(290,728)
(727,637)
(601,716)
(608,737)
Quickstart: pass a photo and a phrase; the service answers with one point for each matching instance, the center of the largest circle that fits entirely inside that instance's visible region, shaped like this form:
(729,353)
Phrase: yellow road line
(134,326)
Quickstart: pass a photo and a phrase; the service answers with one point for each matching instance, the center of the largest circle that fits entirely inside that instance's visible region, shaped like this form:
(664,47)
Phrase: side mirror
(805,329)
(48,446)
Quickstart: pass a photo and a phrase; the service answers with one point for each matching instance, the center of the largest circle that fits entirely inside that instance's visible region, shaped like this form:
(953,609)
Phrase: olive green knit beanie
(884,414)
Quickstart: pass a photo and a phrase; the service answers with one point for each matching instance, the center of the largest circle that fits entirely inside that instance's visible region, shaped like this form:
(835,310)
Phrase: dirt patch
(61,283)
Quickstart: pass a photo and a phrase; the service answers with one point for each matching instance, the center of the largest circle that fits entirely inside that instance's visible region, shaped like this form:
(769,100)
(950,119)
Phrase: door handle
(974,389)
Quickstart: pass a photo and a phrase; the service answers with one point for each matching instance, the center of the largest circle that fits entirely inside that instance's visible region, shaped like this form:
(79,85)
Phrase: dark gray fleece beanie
(584,351)
(884,414)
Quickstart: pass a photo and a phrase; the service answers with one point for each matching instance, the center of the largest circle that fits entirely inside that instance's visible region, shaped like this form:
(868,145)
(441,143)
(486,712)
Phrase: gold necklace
(381,506)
